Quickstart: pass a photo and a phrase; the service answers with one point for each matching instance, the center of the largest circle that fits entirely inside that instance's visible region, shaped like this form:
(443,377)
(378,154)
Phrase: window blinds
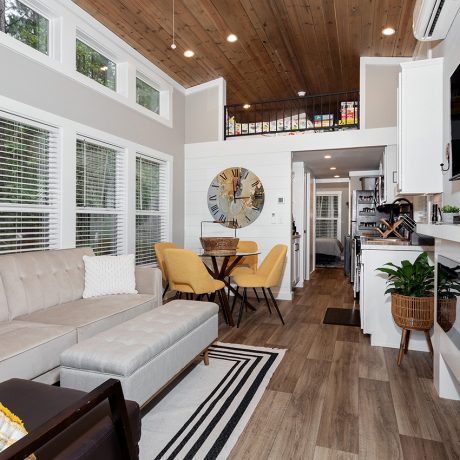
(151,207)
(99,197)
(28,186)
(327,215)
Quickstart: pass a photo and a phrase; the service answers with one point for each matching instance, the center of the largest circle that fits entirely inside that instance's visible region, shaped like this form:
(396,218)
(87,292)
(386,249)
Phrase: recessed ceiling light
(301,93)
(336,175)
(246,106)
(189,53)
(232,38)
(327,156)
(388,31)
(332,168)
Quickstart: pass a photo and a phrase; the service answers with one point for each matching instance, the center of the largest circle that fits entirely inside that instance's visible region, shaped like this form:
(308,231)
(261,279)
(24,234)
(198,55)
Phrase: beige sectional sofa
(42,312)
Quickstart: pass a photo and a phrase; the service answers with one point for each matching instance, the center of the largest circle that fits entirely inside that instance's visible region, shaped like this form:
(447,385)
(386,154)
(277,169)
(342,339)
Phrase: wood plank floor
(336,397)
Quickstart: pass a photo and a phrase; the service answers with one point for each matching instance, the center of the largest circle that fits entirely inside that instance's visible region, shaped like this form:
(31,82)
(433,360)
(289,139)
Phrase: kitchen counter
(449,232)
(394,247)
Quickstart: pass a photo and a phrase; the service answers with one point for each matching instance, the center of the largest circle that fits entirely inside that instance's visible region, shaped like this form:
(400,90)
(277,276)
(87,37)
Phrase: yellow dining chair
(187,274)
(267,276)
(248,264)
(159,249)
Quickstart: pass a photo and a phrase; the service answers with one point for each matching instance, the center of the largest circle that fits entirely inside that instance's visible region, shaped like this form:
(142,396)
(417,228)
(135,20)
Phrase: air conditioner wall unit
(433,18)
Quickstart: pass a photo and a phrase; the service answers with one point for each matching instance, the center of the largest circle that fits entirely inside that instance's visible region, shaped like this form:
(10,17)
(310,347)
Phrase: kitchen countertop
(394,247)
(443,231)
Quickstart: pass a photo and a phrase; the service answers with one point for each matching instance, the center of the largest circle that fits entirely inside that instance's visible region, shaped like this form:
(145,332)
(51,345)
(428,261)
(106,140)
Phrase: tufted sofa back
(34,281)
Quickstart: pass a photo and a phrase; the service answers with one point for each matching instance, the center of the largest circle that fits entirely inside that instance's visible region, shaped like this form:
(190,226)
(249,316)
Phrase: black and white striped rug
(203,416)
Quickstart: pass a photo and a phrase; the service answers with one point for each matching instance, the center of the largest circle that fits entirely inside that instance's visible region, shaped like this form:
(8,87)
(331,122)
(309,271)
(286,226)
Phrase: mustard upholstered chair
(267,276)
(187,274)
(159,249)
(247,265)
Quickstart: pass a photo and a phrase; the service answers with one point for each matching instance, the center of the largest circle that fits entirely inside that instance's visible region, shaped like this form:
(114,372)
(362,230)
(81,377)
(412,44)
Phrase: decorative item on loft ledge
(412,302)
(448,213)
(218,244)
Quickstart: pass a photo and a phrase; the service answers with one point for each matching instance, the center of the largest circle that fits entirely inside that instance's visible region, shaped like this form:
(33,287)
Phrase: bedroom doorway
(331,220)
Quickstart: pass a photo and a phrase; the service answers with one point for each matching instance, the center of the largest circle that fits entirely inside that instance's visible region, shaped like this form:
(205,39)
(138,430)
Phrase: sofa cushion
(94,315)
(31,349)
(125,348)
(37,280)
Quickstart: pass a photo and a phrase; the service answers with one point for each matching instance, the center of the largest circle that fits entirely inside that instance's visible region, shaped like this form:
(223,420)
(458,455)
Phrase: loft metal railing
(323,112)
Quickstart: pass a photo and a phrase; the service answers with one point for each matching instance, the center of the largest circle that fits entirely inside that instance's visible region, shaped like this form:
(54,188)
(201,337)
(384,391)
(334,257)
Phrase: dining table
(220,268)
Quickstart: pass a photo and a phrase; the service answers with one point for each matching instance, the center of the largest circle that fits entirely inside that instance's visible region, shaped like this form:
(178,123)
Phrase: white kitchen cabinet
(420,126)
(390,173)
(375,305)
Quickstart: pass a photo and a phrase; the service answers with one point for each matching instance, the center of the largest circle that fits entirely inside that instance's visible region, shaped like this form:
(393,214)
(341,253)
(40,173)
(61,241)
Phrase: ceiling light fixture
(327,156)
(232,38)
(336,176)
(388,31)
(173,44)
(301,93)
(332,168)
(189,53)
(246,106)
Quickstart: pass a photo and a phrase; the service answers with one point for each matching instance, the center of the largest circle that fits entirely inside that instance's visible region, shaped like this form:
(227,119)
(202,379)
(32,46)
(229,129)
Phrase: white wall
(204,161)
(450,50)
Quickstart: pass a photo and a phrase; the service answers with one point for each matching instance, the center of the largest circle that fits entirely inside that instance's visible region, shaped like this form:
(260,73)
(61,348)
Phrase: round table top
(203,253)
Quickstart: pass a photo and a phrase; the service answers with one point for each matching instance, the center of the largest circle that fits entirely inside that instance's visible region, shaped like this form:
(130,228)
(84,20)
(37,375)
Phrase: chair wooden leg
(266,301)
(243,301)
(206,357)
(257,295)
(166,290)
(406,344)
(402,345)
(276,305)
(234,298)
(428,341)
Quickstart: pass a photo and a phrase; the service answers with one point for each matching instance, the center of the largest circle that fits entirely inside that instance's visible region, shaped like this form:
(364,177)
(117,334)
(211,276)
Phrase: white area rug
(203,416)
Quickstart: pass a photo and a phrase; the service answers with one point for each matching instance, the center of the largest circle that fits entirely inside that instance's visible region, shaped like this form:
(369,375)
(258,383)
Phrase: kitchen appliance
(448,307)
(375,184)
(364,214)
(455,123)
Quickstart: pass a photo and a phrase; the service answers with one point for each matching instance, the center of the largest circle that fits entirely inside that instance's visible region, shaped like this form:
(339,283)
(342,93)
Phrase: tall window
(147,96)
(28,186)
(328,215)
(24,24)
(151,207)
(96,66)
(99,197)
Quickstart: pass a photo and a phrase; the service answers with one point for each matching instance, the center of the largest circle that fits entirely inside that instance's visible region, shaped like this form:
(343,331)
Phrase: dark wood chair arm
(111,390)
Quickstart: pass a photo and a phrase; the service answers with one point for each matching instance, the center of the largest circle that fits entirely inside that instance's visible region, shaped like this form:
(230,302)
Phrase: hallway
(336,397)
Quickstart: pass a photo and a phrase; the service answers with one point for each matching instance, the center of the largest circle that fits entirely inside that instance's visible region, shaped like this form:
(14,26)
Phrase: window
(96,66)
(151,207)
(24,24)
(99,197)
(28,186)
(147,96)
(328,215)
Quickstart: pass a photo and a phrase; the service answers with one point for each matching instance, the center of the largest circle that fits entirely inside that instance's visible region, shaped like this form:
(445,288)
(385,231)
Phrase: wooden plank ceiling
(283,46)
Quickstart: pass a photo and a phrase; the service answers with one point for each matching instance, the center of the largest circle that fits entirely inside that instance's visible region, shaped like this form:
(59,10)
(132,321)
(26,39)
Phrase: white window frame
(165,207)
(119,211)
(339,215)
(52,209)
(67,22)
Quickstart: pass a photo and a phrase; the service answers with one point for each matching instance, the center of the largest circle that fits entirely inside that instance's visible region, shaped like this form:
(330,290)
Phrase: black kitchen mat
(342,317)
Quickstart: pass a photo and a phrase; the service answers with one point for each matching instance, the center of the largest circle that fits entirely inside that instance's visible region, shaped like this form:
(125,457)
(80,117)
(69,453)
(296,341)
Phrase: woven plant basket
(447,312)
(415,313)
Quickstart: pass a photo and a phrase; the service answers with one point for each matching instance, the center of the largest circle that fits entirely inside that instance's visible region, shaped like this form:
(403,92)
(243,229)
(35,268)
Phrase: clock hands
(241,198)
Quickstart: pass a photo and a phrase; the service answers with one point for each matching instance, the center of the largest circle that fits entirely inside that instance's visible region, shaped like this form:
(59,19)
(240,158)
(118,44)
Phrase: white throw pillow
(105,275)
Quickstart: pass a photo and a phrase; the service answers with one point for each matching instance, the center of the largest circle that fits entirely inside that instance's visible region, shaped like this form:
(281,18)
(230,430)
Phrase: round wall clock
(236,197)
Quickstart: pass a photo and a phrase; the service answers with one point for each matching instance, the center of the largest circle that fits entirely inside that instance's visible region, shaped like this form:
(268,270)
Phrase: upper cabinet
(420,127)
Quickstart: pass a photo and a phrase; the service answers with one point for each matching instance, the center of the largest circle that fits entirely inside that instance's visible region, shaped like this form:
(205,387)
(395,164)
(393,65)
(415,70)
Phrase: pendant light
(173,44)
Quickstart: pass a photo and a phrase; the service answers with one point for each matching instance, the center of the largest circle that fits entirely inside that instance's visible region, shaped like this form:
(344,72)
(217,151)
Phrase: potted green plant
(412,303)
(448,213)
(448,290)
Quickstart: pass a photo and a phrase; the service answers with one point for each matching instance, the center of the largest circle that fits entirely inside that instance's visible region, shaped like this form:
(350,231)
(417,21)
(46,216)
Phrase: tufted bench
(144,353)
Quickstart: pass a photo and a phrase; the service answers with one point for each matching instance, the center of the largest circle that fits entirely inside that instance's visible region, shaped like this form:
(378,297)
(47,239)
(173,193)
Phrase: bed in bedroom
(328,251)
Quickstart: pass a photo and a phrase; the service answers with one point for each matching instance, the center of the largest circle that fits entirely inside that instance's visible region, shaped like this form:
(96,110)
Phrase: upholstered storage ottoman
(144,353)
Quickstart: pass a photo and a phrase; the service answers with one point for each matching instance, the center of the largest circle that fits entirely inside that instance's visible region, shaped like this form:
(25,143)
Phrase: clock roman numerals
(214,209)
(245,174)
(247,218)
(256,183)
(213,198)
(236,172)
(222,218)
(223,175)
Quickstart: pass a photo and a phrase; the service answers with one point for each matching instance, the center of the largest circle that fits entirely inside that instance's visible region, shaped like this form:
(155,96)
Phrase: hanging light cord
(173,46)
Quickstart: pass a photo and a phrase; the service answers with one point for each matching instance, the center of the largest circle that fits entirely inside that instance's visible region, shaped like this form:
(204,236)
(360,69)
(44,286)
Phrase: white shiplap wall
(203,162)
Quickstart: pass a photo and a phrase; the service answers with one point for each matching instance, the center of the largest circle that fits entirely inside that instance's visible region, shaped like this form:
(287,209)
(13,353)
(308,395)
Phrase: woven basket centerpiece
(219,244)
